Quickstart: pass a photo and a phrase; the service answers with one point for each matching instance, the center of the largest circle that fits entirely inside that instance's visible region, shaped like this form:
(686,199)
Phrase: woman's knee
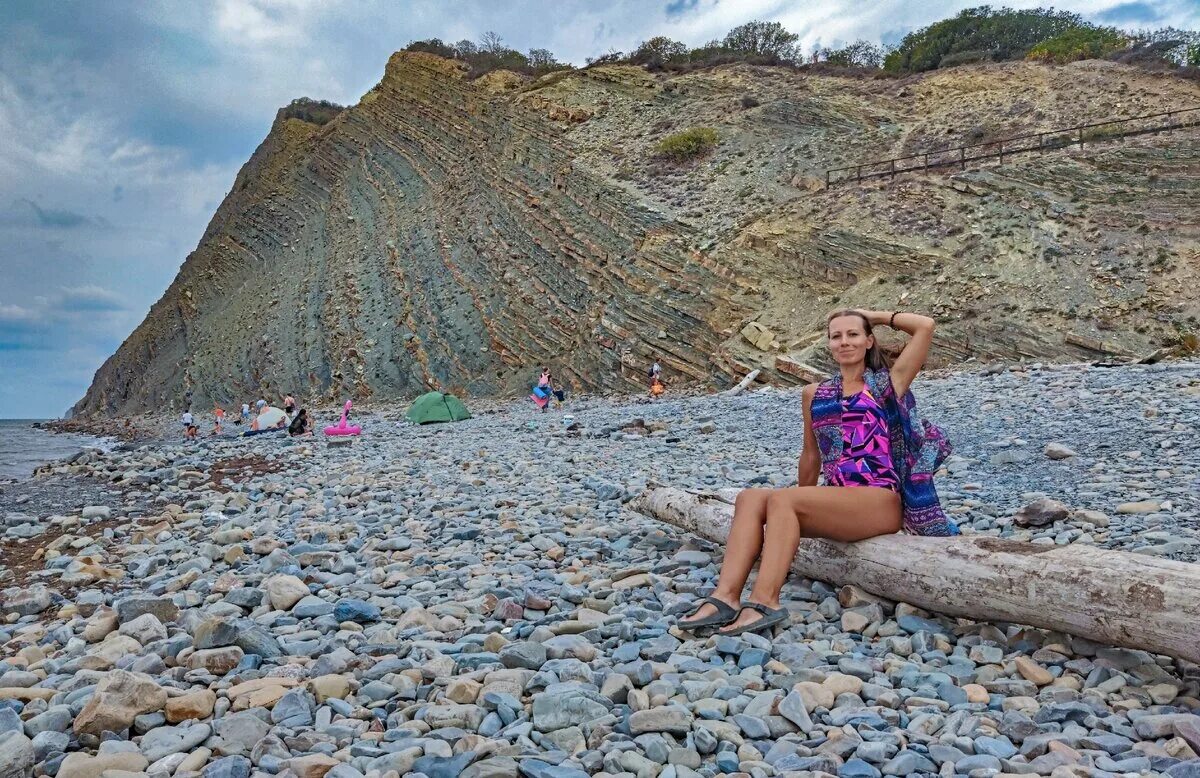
(748,498)
(751,503)
(781,500)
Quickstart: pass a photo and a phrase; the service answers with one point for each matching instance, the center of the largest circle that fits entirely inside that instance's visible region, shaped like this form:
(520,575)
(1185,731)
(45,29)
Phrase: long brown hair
(875,358)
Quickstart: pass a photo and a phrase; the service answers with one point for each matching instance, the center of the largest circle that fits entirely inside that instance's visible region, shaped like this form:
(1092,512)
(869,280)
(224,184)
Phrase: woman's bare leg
(741,549)
(841,513)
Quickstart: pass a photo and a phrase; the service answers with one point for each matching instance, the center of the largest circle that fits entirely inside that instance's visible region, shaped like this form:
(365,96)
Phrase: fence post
(1001,152)
(893,166)
(827,179)
(1080,137)
(858,170)
(962,157)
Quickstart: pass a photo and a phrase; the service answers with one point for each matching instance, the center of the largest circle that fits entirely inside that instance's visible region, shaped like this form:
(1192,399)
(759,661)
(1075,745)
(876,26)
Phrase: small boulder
(1041,512)
(119,698)
(284,591)
(197,705)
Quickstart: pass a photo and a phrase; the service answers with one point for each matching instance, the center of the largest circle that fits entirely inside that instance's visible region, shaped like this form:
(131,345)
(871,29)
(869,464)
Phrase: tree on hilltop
(492,43)
(544,61)
(762,39)
(432,46)
(860,54)
(658,51)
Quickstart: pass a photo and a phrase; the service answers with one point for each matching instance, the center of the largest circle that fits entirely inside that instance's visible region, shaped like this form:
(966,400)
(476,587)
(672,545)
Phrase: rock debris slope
(455,233)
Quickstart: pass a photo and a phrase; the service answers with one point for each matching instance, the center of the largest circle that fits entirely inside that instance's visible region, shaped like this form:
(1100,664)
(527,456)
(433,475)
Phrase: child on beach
(219,417)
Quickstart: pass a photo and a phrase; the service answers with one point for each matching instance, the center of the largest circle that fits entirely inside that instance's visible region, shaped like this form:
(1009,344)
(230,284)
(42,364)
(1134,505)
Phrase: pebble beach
(479,599)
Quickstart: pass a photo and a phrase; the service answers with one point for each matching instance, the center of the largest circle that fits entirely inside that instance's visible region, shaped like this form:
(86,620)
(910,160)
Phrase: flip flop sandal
(771,618)
(725,615)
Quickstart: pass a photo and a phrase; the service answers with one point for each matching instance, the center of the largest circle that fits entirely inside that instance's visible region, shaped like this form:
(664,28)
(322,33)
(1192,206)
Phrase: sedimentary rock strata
(453,233)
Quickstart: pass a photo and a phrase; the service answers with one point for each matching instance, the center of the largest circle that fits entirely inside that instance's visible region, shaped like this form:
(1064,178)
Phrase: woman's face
(848,340)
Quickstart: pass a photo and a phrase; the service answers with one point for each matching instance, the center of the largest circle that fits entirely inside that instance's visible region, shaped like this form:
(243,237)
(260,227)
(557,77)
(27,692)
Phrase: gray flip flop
(725,615)
(771,618)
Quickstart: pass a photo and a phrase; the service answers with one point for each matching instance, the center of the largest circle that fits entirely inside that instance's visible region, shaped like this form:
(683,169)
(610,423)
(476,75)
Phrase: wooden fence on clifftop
(1049,140)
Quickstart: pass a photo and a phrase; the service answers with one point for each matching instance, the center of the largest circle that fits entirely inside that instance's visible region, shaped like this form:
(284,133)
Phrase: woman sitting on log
(863,433)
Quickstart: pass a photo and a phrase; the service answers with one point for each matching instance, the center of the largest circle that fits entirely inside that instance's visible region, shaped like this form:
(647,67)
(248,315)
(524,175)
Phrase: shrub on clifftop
(1003,34)
(1078,43)
(688,144)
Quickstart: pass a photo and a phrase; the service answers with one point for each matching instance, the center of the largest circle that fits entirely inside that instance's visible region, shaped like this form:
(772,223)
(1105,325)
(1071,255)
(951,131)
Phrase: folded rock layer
(458,234)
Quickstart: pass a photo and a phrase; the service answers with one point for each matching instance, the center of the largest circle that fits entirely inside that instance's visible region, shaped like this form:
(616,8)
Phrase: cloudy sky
(124,123)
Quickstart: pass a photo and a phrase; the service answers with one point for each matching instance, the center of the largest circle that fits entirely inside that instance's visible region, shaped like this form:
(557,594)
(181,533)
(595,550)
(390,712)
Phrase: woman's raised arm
(915,352)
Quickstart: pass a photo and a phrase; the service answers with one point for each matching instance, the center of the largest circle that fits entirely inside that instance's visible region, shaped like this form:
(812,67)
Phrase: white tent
(270,417)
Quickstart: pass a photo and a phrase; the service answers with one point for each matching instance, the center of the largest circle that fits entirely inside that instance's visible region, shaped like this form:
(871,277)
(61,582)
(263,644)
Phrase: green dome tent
(436,407)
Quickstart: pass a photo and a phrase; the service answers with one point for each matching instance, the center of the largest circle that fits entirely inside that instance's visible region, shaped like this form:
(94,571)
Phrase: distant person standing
(655,373)
(245,412)
(545,388)
(189,425)
(218,419)
(289,404)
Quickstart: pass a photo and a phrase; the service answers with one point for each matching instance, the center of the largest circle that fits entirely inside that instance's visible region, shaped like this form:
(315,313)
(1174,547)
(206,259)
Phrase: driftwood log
(1111,597)
(741,385)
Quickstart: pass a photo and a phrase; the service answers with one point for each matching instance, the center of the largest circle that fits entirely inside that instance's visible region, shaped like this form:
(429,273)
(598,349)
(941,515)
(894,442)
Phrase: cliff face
(456,234)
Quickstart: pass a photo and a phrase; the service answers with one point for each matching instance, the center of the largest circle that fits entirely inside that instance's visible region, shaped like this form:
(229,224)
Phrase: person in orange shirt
(219,419)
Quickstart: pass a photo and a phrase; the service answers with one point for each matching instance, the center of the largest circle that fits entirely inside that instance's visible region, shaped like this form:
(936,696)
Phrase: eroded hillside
(452,233)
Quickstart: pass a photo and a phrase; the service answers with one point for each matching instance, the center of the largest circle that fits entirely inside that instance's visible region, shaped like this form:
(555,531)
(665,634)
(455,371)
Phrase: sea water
(23,447)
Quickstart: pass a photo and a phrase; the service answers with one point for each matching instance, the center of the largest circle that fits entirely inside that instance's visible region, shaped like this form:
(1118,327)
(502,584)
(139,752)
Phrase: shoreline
(150,427)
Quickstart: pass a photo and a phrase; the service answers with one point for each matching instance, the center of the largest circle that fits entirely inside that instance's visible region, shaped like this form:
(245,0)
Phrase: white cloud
(16,314)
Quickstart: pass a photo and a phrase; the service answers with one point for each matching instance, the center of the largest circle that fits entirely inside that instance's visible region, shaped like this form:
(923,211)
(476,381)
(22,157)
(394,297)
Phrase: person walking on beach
(218,418)
(190,427)
(862,432)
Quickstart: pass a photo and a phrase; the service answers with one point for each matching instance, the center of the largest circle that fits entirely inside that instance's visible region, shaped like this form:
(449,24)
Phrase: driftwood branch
(1111,597)
(741,385)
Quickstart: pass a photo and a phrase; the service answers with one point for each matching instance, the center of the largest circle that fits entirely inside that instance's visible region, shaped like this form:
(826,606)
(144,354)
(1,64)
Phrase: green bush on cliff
(688,144)
(1078,43)
(1004,34)
(491,54)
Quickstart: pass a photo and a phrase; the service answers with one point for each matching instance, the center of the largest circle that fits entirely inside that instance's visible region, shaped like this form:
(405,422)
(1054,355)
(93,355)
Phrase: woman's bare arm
(915,352)
(810,456)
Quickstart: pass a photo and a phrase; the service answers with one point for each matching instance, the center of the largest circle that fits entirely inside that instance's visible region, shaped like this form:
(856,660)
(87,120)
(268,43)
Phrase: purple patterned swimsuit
(866,448)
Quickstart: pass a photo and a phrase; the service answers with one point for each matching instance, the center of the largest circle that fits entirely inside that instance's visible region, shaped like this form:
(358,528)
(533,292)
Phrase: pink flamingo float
(344,427)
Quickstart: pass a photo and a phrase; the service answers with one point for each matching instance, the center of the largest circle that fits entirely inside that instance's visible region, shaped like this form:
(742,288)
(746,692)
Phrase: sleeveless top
(917,448)
(866,446)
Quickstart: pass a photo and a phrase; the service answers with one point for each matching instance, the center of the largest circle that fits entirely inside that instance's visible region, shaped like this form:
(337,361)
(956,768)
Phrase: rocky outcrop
(432,235)
(457,234)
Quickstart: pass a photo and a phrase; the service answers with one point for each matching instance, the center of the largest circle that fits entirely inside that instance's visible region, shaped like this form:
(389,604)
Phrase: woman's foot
(748,617)
(708,610)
